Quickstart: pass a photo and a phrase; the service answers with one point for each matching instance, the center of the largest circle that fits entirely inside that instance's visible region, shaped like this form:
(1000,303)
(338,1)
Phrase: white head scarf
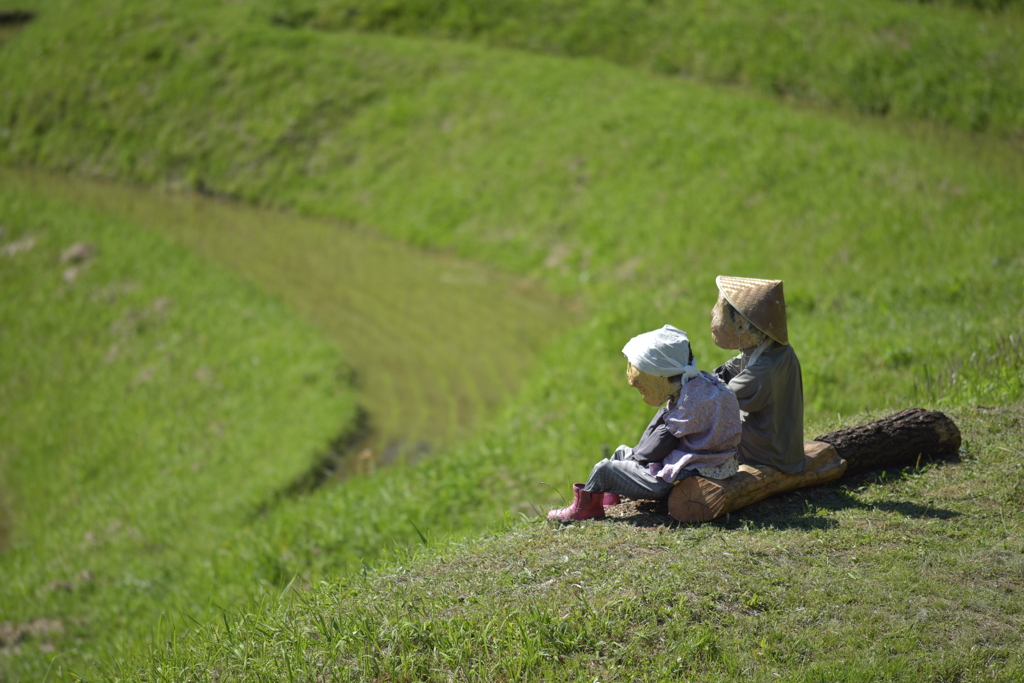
(663,353)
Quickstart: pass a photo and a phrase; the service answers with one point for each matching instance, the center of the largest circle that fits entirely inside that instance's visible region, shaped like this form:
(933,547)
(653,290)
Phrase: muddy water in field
(435,342)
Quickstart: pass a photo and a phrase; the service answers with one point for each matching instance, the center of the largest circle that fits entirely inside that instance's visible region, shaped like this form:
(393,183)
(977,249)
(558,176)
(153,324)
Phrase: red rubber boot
(585,505)
(611,499)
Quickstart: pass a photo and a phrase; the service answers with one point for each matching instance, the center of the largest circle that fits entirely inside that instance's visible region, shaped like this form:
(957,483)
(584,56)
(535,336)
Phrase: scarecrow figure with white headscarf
(695,431)
(750,316)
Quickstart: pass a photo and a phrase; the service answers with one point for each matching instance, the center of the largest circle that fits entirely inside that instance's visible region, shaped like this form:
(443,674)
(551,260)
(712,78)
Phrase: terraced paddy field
(130,454)
(163,417)
(433,342)
(146,493)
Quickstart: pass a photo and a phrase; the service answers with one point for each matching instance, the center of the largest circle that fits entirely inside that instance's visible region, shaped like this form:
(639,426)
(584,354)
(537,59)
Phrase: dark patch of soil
(351,454)
(12,634)
(338,455)
(646,513)
(77,252)
(15,17)
(11,24)
(342,457)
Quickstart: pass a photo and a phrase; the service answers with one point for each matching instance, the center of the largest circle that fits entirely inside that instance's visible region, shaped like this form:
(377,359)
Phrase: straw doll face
(654,390)
(730,330)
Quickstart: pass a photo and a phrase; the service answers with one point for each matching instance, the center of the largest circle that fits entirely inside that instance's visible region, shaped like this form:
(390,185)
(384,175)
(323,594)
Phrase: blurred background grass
(407,320)
(577,174)
(930,61)
(130,450)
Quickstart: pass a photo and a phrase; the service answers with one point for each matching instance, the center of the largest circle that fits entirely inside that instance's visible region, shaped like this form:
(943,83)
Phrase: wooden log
(696,499)
(896,441)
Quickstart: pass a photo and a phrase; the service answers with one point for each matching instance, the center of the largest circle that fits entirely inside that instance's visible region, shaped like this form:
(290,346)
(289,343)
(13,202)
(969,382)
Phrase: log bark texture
(892,442)
(895,441)
(696,499)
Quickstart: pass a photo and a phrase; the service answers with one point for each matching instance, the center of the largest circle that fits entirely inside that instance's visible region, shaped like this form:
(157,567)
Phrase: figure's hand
(722,373)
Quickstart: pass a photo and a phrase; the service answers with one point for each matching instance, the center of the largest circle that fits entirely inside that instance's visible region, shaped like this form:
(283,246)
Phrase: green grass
(983,5)
(587,177)
(148,409)
(903,253)
(906,60)
(443,338)
(147,468)
(912,577)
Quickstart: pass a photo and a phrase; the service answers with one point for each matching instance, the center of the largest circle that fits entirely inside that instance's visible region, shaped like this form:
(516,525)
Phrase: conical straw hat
(759,301)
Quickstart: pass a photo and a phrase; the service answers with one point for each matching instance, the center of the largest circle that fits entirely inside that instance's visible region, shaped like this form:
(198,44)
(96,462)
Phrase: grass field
(910,576)
(433,341)
(599,178)
(952,65)
(572,172)
(132,450)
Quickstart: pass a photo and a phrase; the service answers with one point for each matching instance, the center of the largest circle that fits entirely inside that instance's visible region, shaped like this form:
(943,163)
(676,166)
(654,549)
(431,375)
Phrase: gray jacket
(771,398)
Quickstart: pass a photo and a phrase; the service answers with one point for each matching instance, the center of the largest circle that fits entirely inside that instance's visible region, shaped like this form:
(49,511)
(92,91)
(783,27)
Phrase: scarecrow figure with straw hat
(695,431)
(750,316)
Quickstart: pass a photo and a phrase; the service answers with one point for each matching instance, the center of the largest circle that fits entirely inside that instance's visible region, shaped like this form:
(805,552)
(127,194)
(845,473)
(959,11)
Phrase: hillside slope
(914,61)
(902,251)
(150,403)
(589,177)
(897,577)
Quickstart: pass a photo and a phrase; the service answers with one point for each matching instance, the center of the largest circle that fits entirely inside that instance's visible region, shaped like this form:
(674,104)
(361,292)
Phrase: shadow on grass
(803,508)
(347,455)
(797,509)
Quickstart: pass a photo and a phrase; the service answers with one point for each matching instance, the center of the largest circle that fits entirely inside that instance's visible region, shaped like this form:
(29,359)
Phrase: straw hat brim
(760,301)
